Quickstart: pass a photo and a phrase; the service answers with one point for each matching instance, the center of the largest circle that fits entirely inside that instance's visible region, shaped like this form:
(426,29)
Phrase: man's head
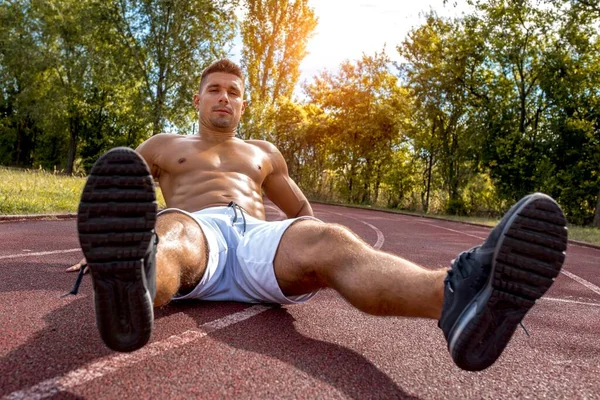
(220,99)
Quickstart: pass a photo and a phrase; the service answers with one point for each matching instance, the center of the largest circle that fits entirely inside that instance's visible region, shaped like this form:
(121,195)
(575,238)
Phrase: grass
(25,192)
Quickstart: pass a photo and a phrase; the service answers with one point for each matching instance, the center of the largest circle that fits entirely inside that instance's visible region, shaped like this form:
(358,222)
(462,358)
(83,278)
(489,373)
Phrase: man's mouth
(222,110)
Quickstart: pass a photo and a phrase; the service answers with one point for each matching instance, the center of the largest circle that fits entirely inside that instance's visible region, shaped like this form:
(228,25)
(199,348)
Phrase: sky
(348,28)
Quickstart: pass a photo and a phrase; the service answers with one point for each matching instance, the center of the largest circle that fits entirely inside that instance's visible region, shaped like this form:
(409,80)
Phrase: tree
(514,129)
(570,81)
(440,56)
(52,36)
(363,103)
(85,76)
(167,43)
(275,34)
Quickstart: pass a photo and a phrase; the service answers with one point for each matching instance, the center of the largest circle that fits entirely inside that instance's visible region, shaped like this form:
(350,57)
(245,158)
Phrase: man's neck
(215,136)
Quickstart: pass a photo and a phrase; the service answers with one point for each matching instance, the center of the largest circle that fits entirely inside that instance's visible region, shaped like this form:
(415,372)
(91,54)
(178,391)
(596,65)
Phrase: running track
(49,346)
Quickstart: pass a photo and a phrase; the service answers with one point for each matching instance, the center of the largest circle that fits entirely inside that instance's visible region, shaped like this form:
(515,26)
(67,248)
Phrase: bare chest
(223,158)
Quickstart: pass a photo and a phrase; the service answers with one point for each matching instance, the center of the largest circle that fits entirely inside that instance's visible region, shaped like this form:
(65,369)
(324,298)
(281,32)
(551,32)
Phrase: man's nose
(224,97)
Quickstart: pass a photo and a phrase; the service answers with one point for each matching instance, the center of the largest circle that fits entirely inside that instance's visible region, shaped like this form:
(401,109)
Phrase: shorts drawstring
(236,206)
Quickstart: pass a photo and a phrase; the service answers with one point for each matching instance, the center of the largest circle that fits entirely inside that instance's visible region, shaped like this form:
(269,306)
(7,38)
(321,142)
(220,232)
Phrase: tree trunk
(597,215)
(72,145)
(429,169)
(158,108)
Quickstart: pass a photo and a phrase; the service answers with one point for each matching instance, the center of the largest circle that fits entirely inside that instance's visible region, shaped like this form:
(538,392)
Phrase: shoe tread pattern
(116,218)
(528,261)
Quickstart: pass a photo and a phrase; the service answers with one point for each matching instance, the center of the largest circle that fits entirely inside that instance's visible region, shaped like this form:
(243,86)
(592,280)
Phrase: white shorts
(240,263)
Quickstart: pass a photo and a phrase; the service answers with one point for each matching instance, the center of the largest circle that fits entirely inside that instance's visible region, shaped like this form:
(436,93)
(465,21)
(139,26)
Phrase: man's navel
(181,160)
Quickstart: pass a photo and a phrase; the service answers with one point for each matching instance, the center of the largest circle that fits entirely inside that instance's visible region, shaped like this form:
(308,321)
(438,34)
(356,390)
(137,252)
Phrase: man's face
(220,102)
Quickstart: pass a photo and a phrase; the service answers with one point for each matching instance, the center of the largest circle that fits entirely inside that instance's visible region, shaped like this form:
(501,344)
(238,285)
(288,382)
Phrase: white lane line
(41,253)
(570,301)
(571,275)
(276,209)
(451,230)
(380,236)
(585,283)
(114,363)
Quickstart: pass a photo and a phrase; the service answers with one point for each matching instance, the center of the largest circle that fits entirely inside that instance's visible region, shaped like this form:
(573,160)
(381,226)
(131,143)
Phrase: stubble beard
(221,122)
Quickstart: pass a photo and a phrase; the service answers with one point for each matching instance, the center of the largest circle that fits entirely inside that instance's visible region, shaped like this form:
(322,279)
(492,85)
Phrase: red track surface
(322,349)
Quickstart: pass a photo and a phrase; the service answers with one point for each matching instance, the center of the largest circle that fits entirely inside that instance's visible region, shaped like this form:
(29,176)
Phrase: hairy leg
(315,255)
(181,256)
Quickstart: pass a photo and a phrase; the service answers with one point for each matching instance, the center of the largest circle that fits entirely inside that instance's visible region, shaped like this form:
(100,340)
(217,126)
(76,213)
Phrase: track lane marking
(380,235)
(579,279)
(570,301)
(40,253)
(571,275)
(116,362)
(451,230)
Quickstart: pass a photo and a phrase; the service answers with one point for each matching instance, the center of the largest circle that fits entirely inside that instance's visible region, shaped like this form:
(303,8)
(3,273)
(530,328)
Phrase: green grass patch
(38,192)
(584,234)
(25,192)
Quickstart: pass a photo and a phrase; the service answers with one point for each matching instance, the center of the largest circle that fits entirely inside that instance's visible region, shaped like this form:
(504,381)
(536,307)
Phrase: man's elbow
(305,210)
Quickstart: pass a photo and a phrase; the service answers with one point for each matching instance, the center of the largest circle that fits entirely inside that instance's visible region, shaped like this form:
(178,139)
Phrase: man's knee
(314,247)
(309,237)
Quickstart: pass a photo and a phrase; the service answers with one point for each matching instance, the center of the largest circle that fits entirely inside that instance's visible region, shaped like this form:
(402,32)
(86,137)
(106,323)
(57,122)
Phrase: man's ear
(244,105)
(196,101)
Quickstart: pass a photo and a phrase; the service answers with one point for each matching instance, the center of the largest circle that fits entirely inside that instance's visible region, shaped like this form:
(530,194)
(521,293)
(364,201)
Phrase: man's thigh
(296,262)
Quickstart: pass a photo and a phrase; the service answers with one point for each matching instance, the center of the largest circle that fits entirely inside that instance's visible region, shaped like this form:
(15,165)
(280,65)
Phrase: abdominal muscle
(197,190)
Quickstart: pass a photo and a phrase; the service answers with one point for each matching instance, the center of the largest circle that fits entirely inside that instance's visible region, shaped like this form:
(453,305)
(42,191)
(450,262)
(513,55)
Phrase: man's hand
(77,267)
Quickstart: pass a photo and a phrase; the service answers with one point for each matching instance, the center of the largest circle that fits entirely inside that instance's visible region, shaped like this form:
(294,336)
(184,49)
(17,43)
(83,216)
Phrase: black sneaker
(490,288)
(115,221)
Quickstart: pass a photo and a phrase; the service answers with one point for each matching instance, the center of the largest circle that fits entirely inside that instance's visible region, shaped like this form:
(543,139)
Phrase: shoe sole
(528,257)
(115,220)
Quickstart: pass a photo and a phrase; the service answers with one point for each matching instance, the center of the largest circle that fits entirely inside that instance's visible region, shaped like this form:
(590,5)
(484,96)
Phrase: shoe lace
(75,289)
(525,329)
(460,265)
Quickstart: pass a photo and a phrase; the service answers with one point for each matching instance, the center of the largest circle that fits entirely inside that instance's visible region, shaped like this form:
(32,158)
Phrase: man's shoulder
(263,145)
(155,148)
(165,137)
(161,140)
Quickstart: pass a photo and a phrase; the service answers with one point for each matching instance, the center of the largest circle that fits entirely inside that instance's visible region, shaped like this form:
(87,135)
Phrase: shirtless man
(213,242)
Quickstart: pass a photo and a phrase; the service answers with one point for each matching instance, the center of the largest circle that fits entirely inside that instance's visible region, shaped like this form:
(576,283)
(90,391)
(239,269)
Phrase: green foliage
(439,57)
(80,77)
(363,106)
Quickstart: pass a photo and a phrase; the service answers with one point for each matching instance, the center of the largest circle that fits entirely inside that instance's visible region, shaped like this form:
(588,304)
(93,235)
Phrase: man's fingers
(74,268)
(77,267)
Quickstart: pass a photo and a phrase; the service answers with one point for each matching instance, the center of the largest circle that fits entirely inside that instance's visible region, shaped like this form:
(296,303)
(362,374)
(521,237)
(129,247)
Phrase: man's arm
(153,151)
(282,190)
